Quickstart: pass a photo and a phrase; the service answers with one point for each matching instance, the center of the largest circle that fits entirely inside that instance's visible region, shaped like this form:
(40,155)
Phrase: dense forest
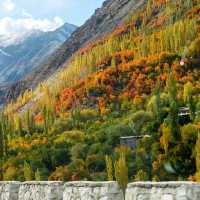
(136,81)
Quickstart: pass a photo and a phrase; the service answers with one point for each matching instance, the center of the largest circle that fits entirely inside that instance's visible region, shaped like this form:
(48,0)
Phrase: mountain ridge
(104,20)
(19,57)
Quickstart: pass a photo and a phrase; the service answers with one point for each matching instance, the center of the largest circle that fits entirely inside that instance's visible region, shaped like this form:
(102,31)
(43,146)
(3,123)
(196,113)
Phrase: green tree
(76,116)
(138,119)
(19,126)
(109,168)
(29,121)
(155,106)
(188,99)
(1,154)
(49,118)
(5,132)
(174,108)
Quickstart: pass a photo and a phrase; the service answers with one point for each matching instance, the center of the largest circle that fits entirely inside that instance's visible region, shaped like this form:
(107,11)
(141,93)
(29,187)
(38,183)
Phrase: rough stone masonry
(98,191)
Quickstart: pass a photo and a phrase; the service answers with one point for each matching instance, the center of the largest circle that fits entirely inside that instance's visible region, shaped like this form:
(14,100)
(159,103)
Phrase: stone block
(9,190)
(92,191)
(41,191)
(163,191)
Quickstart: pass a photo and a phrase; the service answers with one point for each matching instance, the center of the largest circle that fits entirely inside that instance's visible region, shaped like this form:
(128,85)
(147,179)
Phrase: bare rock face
(103,21)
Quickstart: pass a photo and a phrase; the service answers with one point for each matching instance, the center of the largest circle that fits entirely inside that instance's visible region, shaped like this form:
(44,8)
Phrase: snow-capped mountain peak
(15,39)
(20,54)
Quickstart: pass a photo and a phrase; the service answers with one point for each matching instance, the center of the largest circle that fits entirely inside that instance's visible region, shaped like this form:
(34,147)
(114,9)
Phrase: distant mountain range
(20,55)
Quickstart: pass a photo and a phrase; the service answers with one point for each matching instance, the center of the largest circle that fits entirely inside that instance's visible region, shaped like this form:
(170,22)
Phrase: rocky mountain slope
(19,56)
(104,20)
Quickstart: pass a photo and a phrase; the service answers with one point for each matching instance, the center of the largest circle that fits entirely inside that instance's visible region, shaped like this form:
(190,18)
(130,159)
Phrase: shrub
(62,125)
(114,132)
(138,119)
(194,49)
(141,176)
(61,173)
(88,114)
(70,137)
(79,151)
(189,132)
(10,174)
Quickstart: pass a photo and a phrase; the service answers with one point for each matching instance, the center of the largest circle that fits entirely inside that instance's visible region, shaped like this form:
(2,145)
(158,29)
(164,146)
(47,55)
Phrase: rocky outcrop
(104,20)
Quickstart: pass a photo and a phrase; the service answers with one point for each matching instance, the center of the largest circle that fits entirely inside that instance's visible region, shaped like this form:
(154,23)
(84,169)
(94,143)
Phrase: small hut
(184,115)
(131,141)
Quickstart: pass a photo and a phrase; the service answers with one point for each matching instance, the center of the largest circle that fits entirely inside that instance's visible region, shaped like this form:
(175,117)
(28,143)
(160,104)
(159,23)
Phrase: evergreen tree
(19,126)
(188,99)
(174,108)
(7,132)
(75,114)
(48,119)
(30,123)
(38,175)
(1,154)
(154,104)
(28,173)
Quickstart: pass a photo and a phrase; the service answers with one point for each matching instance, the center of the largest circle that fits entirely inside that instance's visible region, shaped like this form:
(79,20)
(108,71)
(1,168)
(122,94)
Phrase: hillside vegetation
(131,82)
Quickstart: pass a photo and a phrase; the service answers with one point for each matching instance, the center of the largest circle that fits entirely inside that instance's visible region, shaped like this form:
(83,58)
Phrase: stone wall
(41,191)
(98,191)
(60,191)
(92,191)
(163,191)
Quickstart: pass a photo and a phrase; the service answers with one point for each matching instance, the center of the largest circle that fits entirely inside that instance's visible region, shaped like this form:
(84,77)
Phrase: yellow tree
(109,168)
(121,173)
(197,149)
(28,172)
(188,98)
(165,138)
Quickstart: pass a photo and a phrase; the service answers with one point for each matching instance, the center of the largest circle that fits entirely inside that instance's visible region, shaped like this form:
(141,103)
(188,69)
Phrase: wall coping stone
(43,183)
(89,184)
(105,183)
(172,184)
(10,182)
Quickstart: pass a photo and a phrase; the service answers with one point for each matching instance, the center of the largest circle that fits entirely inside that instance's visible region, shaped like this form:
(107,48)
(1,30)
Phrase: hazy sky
(17,16)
